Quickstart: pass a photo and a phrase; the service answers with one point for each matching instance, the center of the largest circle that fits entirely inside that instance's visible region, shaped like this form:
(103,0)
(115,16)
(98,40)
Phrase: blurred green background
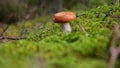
(45,45)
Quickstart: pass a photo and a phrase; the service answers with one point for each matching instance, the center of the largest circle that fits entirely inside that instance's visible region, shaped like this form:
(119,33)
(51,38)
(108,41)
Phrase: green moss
(65,51)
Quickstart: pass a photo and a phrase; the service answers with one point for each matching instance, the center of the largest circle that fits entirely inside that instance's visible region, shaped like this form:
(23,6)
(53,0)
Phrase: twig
(83,29)
(11,38)
(114,54)
(114,50)
(107,14)
(108,20)
(116,16)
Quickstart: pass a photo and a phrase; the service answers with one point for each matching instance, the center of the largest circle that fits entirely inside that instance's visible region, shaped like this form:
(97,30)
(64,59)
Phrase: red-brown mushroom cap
(64,17)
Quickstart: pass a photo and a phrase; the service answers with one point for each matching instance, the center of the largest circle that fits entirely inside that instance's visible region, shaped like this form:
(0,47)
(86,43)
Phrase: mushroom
(64,18)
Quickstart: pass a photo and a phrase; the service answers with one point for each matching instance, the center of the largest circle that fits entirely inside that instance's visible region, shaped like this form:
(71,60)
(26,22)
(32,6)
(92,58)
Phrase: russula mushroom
(64,18)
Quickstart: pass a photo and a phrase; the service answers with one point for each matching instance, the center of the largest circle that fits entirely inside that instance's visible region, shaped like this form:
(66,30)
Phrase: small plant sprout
(64,18)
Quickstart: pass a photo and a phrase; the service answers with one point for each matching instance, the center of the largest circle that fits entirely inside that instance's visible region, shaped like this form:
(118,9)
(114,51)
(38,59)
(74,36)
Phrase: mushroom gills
(66,28)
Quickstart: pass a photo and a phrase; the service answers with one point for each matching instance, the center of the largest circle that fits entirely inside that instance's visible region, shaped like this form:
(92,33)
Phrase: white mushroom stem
(66,28)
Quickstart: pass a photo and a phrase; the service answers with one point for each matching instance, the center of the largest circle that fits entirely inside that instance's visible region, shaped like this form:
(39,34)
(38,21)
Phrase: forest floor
(41,44)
